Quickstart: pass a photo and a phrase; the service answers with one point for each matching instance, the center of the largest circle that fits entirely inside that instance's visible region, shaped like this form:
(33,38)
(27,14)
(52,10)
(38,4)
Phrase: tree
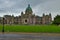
(57,20)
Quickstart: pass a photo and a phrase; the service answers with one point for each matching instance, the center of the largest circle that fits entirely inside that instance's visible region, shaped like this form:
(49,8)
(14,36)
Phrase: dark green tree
(57,20)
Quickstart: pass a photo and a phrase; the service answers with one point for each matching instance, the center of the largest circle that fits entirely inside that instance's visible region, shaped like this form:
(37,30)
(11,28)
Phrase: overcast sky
(38,6)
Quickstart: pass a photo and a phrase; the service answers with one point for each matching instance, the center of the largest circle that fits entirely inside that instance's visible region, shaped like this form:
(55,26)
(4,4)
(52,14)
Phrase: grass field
(31,28)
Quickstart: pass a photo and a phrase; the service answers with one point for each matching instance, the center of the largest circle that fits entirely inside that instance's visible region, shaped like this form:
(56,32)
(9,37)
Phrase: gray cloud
(38,6)
(17,5)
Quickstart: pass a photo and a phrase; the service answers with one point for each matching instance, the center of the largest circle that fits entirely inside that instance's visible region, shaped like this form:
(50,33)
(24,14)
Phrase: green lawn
(31,28)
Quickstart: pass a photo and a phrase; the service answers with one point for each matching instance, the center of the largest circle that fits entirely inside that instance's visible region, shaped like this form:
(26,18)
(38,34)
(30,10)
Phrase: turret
(50,14)
(21,13)
(43,14)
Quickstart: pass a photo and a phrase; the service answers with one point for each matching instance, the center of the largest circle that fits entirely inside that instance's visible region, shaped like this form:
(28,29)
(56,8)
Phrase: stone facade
(27,18)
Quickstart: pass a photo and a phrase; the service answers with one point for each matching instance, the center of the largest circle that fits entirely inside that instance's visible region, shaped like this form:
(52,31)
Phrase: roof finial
(28,5)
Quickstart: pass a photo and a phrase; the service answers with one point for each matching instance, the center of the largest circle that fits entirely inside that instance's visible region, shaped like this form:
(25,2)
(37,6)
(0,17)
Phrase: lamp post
(3,26)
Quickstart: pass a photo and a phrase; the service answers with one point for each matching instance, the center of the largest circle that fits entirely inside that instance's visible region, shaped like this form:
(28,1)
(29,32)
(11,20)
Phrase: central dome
(28,9)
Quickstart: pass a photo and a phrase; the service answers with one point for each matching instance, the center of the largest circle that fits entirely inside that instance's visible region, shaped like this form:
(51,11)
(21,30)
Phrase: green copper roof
(28,8)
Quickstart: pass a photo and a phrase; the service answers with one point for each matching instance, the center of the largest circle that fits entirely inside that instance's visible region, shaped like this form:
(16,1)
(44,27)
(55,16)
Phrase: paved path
(27,37)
